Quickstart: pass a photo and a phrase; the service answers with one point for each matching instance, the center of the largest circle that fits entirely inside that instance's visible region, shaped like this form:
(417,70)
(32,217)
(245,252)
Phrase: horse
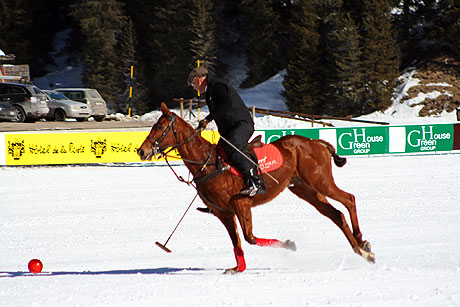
(306,172)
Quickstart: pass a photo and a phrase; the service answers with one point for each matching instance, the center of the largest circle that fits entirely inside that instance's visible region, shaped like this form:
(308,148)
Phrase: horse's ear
(164,109)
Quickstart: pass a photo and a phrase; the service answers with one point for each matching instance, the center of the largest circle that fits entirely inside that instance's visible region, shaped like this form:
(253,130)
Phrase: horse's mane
(193,130)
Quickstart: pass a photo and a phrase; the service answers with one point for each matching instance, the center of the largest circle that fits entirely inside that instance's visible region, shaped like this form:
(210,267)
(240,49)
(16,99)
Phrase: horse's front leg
(230,224)
(244,215)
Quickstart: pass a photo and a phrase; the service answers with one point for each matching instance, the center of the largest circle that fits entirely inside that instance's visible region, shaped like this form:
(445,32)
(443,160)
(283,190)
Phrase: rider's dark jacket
(226,107)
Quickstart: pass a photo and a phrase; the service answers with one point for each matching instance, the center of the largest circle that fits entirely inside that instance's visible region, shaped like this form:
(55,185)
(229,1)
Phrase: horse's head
(162,135)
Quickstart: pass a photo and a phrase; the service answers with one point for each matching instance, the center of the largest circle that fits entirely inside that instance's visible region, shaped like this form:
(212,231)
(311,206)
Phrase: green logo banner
(427,138)
(362,140)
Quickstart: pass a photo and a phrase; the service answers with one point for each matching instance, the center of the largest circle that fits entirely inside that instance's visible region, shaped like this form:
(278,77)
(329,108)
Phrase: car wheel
(59,115)
(99,118)
(20,114)
(79,119)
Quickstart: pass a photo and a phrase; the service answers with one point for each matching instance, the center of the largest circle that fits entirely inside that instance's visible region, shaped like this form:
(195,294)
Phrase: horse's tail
(339,161)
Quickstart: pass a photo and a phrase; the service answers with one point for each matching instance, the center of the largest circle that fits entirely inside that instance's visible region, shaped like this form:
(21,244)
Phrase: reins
(161,151)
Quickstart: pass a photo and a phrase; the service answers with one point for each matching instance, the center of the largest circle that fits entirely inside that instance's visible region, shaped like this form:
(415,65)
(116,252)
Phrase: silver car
(89,96)
(29,101)
(62,107)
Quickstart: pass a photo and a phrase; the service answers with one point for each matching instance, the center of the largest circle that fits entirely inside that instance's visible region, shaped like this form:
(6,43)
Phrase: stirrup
(250,191)
(253,189)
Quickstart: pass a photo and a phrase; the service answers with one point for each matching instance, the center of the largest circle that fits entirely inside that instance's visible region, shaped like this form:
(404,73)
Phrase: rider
(234,122)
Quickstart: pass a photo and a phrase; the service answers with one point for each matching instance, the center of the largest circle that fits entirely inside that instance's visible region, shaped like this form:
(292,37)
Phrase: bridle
(159,150)
(162,152)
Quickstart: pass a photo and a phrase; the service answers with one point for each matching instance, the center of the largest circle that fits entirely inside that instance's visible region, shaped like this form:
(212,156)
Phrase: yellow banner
(79,147)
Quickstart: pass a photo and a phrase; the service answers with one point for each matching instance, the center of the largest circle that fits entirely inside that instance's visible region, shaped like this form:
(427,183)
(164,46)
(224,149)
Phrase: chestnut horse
(307,172)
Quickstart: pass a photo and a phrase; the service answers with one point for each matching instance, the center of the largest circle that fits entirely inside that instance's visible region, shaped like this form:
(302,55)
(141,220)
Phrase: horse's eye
(160,127)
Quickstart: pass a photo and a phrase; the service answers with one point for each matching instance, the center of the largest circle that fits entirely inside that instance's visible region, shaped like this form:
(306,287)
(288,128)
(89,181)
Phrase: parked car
(62,107)
(7,112)
(89,96)
(29,101)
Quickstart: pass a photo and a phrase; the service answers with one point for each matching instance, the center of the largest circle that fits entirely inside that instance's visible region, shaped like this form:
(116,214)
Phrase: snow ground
(94,229)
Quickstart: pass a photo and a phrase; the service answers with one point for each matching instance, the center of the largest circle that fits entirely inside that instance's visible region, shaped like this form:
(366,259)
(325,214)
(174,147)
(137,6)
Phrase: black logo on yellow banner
(16,149)
(98,148)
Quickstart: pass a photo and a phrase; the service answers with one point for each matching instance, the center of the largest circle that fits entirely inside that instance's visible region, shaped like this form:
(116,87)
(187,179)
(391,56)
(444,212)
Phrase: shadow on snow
(158,271)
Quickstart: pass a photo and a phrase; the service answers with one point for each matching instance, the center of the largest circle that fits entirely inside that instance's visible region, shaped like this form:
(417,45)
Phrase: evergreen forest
(340,57)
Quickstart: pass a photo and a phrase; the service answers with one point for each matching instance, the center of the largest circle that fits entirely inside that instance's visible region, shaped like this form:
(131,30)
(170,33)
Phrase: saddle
(255,143)
(268,156)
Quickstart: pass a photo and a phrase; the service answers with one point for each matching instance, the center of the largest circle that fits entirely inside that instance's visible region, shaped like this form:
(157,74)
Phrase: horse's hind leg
(323,182)
(348,200)
(244,214)
(319,201)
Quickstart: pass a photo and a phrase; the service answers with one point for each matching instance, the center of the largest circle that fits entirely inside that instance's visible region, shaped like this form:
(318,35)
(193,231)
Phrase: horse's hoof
(367,246)
(232,271)
(288,244)
(370,257)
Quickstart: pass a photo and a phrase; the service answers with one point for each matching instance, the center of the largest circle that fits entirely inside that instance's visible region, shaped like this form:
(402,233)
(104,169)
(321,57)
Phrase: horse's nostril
(140,152)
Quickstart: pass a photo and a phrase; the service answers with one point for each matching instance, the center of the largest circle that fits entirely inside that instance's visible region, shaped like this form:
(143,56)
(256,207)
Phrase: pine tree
(302,82)
(379,56)
(350,72)
(445,30)
(451,26)
(14,24)
(102,24)
(126,45)
(27,29)
(342,69)
(167,53)
(140,12)
(260,32)
(203,28)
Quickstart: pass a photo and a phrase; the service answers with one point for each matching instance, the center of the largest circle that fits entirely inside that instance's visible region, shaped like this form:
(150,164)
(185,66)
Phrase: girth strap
(215,207)
(220,169)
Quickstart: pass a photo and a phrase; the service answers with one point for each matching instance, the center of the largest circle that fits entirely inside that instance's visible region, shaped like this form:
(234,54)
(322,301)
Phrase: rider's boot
(254,185)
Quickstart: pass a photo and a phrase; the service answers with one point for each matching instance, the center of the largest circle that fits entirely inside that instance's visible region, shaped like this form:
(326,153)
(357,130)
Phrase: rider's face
(198,83)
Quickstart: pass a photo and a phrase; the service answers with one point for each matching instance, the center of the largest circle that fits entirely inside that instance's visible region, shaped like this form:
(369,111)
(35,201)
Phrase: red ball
(35,266)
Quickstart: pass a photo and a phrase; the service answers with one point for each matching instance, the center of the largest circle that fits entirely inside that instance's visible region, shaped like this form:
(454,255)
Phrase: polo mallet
(163,246)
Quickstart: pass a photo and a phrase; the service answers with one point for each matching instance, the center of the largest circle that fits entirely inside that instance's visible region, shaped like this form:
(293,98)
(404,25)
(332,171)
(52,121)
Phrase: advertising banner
(362,140)
(72,148)
(78,148)
(42,148)
(426,138)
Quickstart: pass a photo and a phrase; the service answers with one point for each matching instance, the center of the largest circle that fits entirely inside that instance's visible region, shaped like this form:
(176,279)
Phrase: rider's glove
(202,124)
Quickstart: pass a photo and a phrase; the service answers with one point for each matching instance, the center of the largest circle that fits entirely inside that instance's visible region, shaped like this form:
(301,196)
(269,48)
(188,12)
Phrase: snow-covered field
(94,229)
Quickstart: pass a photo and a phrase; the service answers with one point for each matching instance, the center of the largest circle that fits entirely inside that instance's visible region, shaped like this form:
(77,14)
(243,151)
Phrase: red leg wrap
(240,262)
(268,242)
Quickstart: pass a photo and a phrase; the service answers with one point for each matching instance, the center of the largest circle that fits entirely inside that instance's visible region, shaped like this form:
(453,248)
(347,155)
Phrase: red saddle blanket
(268,156)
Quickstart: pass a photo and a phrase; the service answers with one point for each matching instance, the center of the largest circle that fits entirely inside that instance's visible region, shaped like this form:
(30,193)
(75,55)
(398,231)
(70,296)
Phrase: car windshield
(93,94)
(57,96)
(36,90)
